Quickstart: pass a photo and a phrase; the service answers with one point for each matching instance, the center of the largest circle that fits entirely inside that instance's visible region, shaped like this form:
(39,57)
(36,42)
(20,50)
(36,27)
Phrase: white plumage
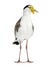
(25,30)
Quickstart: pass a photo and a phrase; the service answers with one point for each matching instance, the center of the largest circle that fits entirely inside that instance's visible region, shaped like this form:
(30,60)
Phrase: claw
(29,61)
(17,61)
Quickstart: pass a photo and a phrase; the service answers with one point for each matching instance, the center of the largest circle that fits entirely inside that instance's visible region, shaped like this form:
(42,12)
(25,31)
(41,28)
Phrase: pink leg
(27,52)
(19,55)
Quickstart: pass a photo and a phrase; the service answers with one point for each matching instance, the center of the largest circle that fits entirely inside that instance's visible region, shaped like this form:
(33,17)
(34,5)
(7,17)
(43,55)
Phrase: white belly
(25,31)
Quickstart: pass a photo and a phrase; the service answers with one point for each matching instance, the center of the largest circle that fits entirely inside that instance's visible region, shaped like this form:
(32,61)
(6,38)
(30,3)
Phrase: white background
(40,44)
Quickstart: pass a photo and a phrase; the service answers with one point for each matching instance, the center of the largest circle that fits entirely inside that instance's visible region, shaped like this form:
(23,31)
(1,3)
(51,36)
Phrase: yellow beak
(33,11)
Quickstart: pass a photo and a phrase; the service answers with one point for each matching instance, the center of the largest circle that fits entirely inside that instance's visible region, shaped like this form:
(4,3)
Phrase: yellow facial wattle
(32,9)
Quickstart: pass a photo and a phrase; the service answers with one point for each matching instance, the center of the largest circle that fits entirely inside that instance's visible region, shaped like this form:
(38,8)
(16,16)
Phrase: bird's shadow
(23,62)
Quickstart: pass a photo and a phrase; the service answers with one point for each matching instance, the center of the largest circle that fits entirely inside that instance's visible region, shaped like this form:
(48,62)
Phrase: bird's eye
(30,7)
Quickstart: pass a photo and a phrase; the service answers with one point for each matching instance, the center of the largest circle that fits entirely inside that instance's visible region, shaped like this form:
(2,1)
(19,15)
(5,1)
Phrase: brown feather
(17,26)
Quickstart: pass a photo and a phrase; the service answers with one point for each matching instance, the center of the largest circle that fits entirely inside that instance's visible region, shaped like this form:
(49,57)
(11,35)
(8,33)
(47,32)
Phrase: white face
(30,8)
(27,10)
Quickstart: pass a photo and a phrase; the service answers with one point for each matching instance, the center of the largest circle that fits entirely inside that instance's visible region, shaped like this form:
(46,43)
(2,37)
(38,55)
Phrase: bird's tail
(16,42)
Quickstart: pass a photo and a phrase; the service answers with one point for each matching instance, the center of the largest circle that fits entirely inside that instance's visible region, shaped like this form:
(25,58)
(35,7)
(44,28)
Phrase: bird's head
(31,8)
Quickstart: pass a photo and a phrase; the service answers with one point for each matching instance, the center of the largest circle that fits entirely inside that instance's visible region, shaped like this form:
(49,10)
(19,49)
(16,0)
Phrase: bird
(24,28)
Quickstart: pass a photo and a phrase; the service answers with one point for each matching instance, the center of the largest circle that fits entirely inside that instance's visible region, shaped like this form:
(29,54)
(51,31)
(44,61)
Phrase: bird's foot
(17,61)
(29,61)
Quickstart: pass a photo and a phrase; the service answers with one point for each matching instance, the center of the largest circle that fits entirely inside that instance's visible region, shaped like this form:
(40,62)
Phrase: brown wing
(32,27)
(17,26)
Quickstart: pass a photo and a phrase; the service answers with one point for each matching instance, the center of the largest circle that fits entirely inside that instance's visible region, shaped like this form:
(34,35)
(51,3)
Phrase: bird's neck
(26,12)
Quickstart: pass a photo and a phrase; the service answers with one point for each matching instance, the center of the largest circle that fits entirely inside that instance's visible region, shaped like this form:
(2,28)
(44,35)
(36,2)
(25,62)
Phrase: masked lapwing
(24,28)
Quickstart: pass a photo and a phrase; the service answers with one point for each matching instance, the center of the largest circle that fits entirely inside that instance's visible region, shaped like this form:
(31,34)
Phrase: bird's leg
(27,49)
(27,52)
(19,53)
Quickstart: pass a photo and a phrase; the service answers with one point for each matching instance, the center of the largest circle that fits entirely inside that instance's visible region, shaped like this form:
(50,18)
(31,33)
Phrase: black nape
(26,6)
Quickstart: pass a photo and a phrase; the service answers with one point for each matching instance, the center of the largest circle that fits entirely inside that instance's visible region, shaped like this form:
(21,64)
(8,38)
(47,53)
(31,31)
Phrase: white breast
(25,31)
